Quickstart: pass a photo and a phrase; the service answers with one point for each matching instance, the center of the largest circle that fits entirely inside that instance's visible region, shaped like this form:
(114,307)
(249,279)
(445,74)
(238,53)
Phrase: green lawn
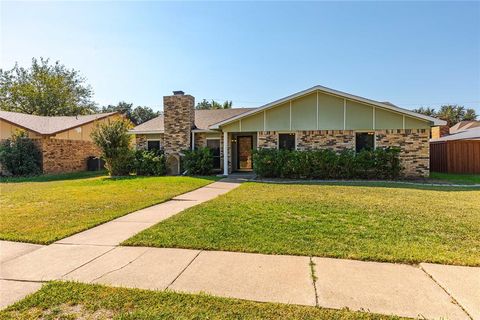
(68,300)
(376,221)
(46,209)
(455,178)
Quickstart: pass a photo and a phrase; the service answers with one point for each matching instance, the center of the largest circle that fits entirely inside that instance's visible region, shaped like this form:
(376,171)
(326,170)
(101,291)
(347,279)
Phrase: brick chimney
(179,119)
(440,131)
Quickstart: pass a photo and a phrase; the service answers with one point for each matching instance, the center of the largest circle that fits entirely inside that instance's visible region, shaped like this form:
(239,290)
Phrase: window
(364,141)
(214,145)
(286,141)
(153,145)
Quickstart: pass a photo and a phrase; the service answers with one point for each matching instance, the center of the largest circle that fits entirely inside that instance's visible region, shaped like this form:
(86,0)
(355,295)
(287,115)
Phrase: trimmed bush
(114,141)
(20,156)
(150,163)
(198,161)
(381,163)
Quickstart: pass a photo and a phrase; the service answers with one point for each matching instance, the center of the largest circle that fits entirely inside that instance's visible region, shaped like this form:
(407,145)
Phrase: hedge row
(381,163)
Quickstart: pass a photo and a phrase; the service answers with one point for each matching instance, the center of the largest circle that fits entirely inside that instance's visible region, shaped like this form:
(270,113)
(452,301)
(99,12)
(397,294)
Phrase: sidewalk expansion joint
(183,270)
(85,244)
(23,280)
(446,291)
(314,280)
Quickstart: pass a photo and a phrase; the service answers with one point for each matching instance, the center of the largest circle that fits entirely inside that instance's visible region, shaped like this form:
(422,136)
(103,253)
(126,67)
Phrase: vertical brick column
(179,118)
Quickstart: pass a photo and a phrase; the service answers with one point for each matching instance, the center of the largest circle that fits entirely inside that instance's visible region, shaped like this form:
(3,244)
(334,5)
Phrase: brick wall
(413,144)
(141,141)
(267,139)
(415,149)
(60,155)
(179,117)
(336,140)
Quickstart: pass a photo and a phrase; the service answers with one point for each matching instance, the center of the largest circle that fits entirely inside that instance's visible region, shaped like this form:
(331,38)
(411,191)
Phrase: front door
(244,152)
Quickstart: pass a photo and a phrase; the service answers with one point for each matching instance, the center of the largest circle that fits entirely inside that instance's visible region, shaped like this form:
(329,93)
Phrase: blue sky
(410,53)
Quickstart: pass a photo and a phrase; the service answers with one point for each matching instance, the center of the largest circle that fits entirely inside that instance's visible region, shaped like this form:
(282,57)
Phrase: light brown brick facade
(179,118)
(413,144)
(59,155)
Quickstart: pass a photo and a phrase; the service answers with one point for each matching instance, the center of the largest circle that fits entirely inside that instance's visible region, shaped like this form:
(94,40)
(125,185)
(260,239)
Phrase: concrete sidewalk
(429,290)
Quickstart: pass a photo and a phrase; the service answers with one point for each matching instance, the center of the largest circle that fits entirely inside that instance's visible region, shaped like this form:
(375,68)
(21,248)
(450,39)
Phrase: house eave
(433,121)
(145,131)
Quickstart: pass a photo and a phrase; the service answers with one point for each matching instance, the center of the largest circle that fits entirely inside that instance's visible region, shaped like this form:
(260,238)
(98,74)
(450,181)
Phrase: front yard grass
(456,178)
(375,221)
(68,300)
(45,209)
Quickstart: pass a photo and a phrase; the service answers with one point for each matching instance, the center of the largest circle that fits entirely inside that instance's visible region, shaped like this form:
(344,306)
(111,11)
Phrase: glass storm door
(245,146)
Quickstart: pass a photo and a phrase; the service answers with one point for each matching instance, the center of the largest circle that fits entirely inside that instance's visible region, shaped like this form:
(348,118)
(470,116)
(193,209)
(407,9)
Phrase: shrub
(149,163)
(20,156)
(381,163)
(198,161)
(114,141)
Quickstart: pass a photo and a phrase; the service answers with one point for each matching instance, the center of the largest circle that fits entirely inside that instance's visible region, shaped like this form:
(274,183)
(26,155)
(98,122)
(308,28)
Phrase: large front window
(286,141)
(364,141)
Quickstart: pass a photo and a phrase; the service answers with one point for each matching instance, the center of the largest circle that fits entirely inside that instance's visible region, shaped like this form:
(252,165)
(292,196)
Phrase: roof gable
(383,105)
(50,125)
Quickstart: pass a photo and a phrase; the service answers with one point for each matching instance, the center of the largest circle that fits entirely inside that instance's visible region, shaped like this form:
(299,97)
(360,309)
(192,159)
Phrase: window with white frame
(364,141)
(286,141)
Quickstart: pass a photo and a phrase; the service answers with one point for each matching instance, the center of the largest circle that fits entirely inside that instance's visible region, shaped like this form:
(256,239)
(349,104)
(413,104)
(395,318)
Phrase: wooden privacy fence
(455,156)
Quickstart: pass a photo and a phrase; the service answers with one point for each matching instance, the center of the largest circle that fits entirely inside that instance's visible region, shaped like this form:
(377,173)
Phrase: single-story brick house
(64,142)
(318,117)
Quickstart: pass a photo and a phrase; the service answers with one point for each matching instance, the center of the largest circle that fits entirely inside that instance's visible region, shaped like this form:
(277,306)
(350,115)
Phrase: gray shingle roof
(469,134)
(49,125)
(203,119)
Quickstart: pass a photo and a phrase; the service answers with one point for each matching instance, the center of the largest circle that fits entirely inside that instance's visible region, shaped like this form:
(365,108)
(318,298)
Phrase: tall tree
(450,113)
(45,89)
(137,115)
(426,111)
(207,105)
(455,113)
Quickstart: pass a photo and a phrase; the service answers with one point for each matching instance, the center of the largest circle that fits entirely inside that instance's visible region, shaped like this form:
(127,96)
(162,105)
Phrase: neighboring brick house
(315,118)
(64,142)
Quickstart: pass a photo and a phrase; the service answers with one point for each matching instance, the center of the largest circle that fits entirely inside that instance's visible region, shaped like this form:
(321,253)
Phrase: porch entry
(244,153)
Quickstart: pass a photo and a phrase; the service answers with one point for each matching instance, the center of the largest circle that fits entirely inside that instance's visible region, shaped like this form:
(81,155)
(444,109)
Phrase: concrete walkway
(429,290)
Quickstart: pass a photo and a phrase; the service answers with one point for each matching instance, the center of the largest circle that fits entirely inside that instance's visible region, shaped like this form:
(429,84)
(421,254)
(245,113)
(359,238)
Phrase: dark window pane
(364,140)
(153,145)
(214,145)
(286,141)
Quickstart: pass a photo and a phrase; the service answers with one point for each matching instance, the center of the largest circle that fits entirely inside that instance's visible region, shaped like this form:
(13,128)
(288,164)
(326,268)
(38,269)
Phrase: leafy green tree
(114,142)
(426,111)
(136,115)
(45,89)
(207,105)
(450,113)
(455,113)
